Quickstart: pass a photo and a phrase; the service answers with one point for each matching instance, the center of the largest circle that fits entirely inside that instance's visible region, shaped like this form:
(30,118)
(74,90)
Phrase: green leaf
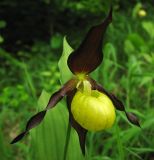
(149,28)
(65,72)
(56,41)
(48,139)
(129,47)
(1,39)
(2,24)
(136,40)
(136,9)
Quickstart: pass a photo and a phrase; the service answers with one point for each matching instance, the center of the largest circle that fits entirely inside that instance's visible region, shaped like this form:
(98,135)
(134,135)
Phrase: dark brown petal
(89,55)
(133,119)
(38,118)
(35,120)
(19,137)
(116,102)
(81,131)
(57,96)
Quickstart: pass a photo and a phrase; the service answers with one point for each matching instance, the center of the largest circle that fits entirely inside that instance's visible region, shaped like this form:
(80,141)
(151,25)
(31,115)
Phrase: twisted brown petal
(38,118)
(89,55)
(81,131)
(133,119)
(116,102)
(19,137)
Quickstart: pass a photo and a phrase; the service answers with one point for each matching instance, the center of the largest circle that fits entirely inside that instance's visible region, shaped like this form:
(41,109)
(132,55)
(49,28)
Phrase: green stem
(149,94)
(29,81)
(67,141)
(119,144)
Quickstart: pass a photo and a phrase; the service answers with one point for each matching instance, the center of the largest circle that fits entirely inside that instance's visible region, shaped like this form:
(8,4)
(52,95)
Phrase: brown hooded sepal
(80,130)
(89,56)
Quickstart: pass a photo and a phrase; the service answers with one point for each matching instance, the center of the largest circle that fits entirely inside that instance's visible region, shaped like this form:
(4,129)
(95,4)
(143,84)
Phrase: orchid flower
(90,106)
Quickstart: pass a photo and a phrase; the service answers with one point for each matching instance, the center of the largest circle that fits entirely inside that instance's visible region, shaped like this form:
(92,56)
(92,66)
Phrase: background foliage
(31,36)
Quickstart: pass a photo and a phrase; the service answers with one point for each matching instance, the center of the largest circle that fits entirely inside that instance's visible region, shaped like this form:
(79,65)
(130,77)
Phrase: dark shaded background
(30,21)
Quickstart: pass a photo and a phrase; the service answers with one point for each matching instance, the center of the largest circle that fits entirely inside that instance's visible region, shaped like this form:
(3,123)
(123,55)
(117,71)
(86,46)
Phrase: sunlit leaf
(65,72)
(2,24)
(1,39)
(149,28)
(56,41)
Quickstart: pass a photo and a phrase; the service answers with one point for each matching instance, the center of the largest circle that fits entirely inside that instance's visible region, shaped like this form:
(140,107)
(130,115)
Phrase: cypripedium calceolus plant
(90,106)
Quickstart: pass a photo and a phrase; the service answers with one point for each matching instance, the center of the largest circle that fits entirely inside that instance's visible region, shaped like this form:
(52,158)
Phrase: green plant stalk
(67,141)
(29,81)
(22,66)
(2,147)
(149,94)
(128,91)
(119,145)
(90,148)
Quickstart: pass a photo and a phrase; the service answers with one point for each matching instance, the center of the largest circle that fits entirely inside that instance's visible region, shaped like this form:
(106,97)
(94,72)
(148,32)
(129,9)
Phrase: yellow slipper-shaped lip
(93,112)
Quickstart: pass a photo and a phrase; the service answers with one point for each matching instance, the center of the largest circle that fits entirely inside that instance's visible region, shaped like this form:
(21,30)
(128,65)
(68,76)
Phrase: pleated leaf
(65,72)
(48,139)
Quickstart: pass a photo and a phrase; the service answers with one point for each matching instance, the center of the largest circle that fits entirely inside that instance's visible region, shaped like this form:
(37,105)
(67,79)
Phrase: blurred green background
(31,43)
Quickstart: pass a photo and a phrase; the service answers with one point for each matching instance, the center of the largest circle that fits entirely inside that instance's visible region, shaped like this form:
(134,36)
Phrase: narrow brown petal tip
(81,133)
(89,54)
(18,138)
(133,119)
(33,122)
